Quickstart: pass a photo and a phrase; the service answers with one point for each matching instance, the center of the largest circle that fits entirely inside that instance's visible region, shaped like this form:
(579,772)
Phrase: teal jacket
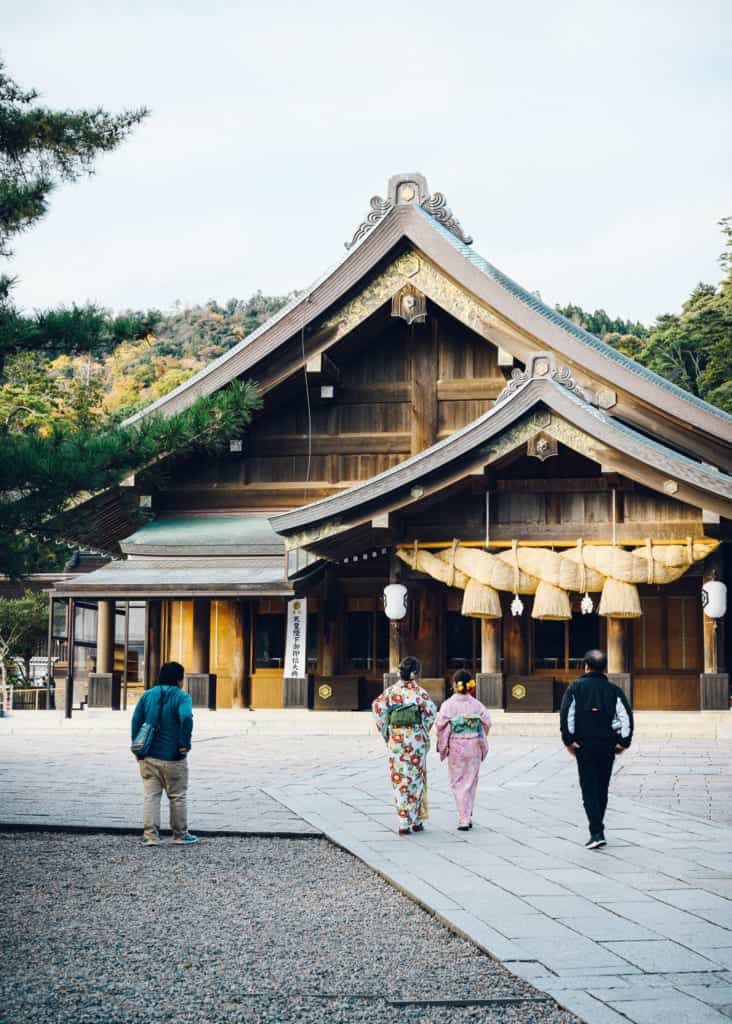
(176,720)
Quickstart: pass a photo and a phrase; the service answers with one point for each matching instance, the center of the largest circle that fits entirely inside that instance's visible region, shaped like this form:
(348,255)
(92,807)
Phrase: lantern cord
(582,579)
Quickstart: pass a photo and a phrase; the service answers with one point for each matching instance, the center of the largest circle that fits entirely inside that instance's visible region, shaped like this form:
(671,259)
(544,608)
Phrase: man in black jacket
(596,723)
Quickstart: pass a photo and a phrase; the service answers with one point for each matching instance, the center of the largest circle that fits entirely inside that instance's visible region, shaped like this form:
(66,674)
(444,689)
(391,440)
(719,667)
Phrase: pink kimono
(462,737)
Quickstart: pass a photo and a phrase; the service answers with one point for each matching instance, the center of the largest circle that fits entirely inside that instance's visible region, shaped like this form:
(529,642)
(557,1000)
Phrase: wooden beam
(635,542)
(375,394)
(461,389)
(566,485)
(333,444)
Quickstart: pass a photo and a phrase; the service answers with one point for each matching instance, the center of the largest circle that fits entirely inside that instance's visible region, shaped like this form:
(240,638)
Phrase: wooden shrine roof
(425,226)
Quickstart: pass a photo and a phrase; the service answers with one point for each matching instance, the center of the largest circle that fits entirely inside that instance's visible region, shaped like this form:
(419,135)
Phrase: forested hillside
(41,387)
(693,348)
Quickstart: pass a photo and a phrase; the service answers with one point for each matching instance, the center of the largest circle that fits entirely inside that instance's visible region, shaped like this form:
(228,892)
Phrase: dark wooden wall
(397,390)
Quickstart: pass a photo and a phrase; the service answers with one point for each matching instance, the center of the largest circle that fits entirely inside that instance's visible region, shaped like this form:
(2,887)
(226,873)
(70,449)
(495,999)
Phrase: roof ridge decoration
(409,190)
(543,366)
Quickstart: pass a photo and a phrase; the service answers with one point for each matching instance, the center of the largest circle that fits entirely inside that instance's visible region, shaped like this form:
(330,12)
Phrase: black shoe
(464,828)
(596,841)
(418,828)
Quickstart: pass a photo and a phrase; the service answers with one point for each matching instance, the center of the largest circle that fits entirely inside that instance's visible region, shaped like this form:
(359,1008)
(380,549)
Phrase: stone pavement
(81,773)
(640,931)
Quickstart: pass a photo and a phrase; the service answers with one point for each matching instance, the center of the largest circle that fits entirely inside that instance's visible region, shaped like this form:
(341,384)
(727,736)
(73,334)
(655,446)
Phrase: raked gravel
(95,928)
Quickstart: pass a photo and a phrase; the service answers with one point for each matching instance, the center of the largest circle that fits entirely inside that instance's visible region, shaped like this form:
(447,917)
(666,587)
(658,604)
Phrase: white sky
(585,145)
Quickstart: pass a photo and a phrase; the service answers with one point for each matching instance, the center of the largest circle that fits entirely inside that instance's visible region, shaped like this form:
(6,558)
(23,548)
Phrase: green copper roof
(535,303)
(240,533)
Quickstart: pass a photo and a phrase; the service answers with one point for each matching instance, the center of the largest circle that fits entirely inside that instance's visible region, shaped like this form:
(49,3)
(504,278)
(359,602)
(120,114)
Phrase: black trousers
(595,765)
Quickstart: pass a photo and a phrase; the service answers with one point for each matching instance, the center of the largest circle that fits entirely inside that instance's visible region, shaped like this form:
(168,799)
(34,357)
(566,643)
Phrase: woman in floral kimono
(462,737)
(404,715)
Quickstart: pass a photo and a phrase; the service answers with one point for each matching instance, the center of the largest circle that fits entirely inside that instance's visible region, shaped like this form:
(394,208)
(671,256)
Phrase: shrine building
(426,422)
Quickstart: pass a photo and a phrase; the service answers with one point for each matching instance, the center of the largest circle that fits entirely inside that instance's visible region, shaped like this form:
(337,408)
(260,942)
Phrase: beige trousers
(171,776)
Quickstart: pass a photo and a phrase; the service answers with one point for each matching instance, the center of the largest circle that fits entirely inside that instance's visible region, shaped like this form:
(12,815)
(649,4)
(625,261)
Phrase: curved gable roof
(477,275)
(597,424)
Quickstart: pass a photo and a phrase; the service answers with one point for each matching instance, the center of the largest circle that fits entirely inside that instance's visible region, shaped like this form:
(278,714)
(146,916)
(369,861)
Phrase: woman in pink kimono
(404,715)
(462,737)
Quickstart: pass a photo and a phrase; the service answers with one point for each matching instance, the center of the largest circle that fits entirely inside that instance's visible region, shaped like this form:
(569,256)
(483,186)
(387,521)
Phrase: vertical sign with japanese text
(296,640)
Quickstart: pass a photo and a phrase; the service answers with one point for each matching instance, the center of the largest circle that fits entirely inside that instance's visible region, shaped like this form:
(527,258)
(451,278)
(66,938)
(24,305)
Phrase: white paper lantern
(395,601)
(714,599)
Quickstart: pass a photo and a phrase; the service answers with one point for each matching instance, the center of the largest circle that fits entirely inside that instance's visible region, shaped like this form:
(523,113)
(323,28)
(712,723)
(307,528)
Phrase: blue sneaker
(187,840)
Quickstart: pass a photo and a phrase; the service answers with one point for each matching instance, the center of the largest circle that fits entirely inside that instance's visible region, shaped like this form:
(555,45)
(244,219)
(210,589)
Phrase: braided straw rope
(606,568)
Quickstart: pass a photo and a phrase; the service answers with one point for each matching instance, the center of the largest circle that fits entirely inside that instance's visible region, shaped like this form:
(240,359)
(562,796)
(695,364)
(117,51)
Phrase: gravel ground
(97,929)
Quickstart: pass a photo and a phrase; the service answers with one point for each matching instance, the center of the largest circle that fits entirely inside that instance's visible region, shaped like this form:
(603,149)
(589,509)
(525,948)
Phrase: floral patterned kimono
(462,737)
(408,746)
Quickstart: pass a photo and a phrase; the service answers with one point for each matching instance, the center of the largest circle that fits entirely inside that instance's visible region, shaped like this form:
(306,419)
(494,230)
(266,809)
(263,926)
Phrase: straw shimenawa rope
(551,575)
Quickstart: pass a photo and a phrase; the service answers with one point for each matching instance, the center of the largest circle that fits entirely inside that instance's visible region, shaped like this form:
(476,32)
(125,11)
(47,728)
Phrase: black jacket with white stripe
(593,708)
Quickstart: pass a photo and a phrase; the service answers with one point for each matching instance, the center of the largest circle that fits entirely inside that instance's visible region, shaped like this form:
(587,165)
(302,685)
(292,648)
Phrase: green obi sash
(408,716)
(462,724)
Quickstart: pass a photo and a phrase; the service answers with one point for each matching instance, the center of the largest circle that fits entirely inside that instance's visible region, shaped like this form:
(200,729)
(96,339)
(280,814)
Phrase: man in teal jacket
(166,767)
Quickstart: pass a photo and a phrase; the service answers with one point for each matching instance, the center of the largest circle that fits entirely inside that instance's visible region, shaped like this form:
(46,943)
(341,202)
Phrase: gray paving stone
(576,952)
(605,927)
(660,955)
(588,1008)
(676,1009)
(714,995)
(483,935)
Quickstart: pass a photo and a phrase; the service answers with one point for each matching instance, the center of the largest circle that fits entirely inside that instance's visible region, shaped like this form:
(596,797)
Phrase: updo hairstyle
(463,682)
(409,669)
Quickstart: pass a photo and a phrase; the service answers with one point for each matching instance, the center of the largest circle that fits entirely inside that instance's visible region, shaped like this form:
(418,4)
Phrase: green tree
(694,348)
(29,394)
(46,472)
(23,623)
(83,399)
(40,149)
(44,477)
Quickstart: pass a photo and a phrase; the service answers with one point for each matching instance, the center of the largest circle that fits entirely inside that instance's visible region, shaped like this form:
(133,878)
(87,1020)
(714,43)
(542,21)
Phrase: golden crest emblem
(518,692)
(325,692)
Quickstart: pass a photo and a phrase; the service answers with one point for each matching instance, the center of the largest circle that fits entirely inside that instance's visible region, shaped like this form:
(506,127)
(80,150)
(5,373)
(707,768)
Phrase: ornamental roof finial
(409,190)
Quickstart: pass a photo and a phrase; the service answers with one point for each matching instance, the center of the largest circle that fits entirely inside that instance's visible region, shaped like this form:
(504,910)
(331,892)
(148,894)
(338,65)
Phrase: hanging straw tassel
(481,602)
(619,600)
(551,604)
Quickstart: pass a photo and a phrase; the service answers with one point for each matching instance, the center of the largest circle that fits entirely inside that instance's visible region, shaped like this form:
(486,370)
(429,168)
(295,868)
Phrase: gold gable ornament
(410,304)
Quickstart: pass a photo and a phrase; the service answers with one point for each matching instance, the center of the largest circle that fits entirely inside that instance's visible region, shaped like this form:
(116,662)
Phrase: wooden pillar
(616,646)
(70,631)
(105,635)
(239,655)
(201,650)
(516,643)
(330,636)
(395,655)
(490,654)
(154,640)
(423,348)
(714,680)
